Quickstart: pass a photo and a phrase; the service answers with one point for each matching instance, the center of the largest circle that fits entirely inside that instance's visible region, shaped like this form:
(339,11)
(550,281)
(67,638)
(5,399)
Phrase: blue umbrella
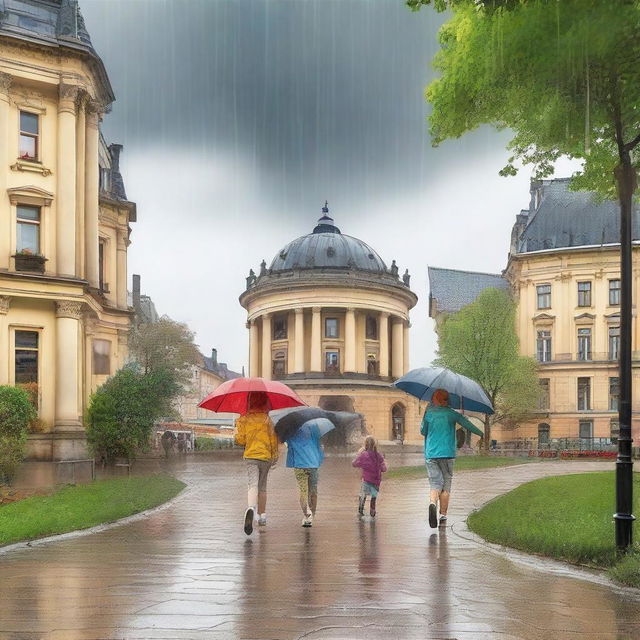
(464,393)
(322,424)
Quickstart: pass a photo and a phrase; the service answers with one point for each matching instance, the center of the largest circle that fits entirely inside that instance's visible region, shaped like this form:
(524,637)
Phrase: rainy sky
(240,117)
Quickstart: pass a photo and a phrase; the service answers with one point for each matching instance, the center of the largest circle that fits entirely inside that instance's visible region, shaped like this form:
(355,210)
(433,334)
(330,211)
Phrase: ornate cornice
(5,301)
(68,96)
(94,110)
(5,82)
(69,309)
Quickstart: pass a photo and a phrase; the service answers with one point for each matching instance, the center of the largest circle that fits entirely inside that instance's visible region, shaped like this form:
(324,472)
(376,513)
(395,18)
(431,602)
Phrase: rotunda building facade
(331,320)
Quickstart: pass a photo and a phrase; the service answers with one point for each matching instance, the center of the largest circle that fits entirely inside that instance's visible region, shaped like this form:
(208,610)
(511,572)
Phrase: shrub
(123,410)
(212,444)
(16,412)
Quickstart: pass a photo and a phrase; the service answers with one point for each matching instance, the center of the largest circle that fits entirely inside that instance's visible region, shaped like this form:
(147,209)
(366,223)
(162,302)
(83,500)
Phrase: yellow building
(564,269)
(64,221)
(331,320)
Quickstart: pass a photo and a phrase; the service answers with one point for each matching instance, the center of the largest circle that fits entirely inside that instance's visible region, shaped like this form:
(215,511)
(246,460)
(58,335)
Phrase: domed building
(331,320)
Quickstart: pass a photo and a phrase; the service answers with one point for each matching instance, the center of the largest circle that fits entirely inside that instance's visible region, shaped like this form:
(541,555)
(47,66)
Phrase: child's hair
(440,398)
(370,444)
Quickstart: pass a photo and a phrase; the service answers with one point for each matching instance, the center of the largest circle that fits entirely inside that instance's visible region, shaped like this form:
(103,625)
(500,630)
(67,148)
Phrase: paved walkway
(188,571)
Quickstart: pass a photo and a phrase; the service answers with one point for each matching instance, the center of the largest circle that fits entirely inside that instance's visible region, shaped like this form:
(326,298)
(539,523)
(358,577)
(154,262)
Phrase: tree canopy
(563,76)
(480,342)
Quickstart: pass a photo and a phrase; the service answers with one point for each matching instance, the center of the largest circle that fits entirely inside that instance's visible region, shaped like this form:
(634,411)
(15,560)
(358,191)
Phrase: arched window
(397,421)
(279,365)
(543,433)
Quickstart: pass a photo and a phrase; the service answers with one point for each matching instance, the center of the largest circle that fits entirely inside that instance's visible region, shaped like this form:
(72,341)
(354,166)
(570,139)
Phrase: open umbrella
(464,393)
(233,396)
(288,421)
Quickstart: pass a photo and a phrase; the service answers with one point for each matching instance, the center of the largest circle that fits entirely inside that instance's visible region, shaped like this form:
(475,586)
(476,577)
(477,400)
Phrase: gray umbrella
(288,421)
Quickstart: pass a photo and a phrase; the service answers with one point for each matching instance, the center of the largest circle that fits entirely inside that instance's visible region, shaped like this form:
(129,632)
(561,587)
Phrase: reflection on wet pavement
(189,572)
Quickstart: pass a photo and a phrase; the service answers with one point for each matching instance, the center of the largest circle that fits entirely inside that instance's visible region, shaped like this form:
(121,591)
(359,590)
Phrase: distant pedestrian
(373,466)
(254,432)
(439,431)
(304,456)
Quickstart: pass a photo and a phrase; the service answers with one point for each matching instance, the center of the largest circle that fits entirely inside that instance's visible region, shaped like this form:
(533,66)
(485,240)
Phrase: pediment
(30,194)
(544,317)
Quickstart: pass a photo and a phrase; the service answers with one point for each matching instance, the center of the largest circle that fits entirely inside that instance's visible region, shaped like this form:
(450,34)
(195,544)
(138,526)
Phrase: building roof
(220,369)
(450,289)
(560,218)
(327,247)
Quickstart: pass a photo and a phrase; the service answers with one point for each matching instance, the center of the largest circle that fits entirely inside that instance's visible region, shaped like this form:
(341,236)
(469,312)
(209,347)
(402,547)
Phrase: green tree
(165,345)
(16,412)
(123,410)
(480,342)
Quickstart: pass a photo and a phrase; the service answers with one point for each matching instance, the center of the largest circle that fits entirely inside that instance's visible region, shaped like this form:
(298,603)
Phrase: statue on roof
(406,278)
(251,279)
(263,267)
(394,269)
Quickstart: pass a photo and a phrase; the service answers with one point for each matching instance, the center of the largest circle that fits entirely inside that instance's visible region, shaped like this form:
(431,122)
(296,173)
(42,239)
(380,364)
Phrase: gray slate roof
(51,21)
(220,369)
(565,218)
(451,290)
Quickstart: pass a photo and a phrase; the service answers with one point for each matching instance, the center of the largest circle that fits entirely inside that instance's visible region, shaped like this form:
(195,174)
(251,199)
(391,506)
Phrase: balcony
(592,357)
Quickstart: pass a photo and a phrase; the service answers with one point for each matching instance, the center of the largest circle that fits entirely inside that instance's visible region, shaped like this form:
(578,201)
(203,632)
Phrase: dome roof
(328,247)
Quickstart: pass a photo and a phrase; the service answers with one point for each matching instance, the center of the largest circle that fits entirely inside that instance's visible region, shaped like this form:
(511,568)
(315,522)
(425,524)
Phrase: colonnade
(392,342)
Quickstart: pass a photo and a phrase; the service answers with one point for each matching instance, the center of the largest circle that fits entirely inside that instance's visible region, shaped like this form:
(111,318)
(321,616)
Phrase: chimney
(136,291)
(214,356)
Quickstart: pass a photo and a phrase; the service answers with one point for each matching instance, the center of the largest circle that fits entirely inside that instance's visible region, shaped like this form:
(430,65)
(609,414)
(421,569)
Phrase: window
(101,357)
(105,179)
(614,293)
(584,294)
(614,393)
(614,430)
(614,343)
(372,365)
(544,296)
(280,328)
(544,398)
(585,429)
(331,327)
(332,362)
(543,433)
(584,394)
(279,365)
(102,245)
(544,346)
(584,344)
(29,132)
(26,357)
(372,328)
(28,229)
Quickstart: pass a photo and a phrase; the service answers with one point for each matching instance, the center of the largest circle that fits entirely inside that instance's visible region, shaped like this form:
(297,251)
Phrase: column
(405,344)
(91,196)
(5,220)
(121,267)
(266,346)
(68,385)
(350,341)
(384,343)
(254,349)
(298,345)
(397,350)
(80,177)
(316,340)
(4,340)
(66,185)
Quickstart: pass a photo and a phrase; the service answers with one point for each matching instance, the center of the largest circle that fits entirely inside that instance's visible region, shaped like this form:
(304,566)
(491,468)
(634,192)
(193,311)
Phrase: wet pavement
(188,571)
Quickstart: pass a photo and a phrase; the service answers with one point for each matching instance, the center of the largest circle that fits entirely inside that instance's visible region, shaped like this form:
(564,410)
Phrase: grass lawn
(463,463)
(565,517)
(83,506)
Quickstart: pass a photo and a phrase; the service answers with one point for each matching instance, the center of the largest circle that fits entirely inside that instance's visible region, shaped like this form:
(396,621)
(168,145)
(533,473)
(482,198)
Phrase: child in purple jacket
(373,465)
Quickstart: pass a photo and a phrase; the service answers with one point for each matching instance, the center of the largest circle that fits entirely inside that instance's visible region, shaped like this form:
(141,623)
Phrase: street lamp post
(623,517)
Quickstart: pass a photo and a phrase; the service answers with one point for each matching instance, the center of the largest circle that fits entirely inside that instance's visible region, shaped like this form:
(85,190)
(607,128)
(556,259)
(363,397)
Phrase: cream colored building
(564,269)
(64,221)
(331,320)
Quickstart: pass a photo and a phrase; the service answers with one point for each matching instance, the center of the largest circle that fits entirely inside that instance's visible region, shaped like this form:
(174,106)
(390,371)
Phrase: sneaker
(307,521)
(443,518)
(248,521)
(262,520)
(361,502)
(433,516)
(372,513)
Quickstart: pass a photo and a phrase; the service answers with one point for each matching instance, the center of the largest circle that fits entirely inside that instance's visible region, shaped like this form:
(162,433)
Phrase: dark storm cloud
(320,95)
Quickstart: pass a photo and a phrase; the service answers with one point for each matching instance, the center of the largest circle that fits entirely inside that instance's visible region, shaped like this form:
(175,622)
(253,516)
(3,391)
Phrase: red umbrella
(233,396)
